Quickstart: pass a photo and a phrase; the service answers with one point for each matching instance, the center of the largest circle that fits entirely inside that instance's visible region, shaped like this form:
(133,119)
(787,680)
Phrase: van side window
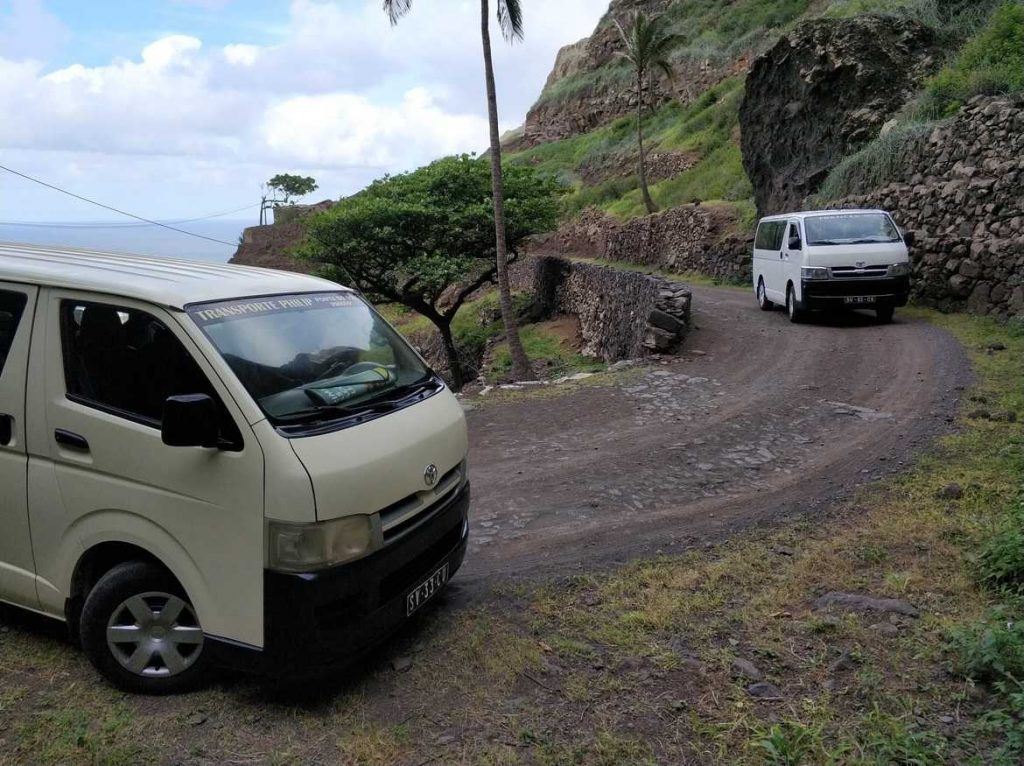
(128,362)
(11,307)
(769,235)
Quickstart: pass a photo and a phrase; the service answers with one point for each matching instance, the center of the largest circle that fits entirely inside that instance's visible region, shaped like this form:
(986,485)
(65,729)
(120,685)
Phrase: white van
(831,259)
(203,463)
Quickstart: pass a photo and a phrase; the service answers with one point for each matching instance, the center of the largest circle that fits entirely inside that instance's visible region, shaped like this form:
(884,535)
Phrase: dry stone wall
(962,194)
(622,314)
(690,239)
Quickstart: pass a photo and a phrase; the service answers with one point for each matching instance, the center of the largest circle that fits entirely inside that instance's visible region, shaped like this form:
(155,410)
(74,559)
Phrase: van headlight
(814,272)
(899,269)
(306,547)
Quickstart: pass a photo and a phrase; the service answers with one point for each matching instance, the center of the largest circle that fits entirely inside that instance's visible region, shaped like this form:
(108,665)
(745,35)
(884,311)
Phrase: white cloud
(341,95)
(350,130)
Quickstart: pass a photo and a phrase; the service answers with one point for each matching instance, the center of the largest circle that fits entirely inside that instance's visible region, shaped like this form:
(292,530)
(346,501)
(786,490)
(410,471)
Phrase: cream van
(216,464)
(831,259)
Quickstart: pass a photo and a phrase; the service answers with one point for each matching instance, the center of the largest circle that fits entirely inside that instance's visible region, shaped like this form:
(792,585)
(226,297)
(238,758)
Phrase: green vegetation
(705,128)
(544,345)
(425,239)
(875,165)
(292,186)
(991,63)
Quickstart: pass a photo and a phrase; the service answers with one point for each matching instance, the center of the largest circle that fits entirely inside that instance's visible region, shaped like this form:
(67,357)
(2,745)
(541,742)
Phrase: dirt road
(757,419)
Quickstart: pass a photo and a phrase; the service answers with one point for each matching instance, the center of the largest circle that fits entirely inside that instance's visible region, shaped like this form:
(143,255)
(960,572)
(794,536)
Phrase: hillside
(829,76)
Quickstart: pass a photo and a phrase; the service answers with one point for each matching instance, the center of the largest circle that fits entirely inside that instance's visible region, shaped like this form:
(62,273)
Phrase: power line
(116,210)
(99,225)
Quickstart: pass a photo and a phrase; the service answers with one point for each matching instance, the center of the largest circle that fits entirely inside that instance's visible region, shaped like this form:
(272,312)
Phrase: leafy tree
(292,186)
(510,19)
(410,238)
(647,47)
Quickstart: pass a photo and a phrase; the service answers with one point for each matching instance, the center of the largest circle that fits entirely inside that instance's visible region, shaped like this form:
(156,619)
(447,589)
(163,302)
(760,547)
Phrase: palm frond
(396,9)
(510,19)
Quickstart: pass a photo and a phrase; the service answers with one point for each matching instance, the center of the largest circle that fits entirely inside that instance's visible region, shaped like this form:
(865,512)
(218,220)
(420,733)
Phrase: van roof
(812,213)
(169,282)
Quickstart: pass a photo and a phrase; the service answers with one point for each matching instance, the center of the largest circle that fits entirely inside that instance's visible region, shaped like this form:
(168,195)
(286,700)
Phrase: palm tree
(510,19)
(647,46)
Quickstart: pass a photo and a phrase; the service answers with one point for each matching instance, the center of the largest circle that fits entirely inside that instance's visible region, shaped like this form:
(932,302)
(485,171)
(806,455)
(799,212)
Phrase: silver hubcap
(760,293)
(790,303)
(154,634)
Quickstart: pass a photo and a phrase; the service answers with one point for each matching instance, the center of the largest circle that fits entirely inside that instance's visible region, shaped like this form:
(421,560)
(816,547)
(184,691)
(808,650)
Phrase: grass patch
(991,63)
(545,349)
(707,128)
(876,164)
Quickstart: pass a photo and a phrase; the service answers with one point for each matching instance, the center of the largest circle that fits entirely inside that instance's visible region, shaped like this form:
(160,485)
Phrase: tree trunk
(642,170)
(451,354)
(520,363)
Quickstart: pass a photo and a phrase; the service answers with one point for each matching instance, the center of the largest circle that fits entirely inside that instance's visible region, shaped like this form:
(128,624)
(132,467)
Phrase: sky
(179,109)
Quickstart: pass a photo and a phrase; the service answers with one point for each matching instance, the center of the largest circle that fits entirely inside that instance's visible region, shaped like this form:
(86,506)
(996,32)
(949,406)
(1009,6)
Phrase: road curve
(772,419)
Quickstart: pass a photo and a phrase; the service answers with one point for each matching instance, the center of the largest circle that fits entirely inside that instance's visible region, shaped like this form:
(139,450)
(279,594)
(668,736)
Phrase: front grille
(836,288)
(400,516)
(853,272)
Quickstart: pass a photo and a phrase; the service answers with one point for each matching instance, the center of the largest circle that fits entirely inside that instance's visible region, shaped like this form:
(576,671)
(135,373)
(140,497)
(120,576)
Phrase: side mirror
(190,420)
(794,243)
(908,238)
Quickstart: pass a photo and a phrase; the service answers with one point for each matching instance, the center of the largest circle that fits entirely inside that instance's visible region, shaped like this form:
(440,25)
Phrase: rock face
(623,314)
(604,88)
(270,246)
(961,191)
(681,240)
(822,92)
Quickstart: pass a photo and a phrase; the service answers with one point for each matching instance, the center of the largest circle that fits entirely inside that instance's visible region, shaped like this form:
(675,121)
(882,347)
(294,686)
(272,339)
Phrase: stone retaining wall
(962,194)
(623,314)
(690,239)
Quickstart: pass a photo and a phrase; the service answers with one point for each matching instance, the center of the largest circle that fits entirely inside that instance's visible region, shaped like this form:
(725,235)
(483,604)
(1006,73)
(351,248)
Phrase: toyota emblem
(430,474)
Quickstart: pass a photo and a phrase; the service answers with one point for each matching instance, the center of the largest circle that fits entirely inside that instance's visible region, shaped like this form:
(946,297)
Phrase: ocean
(130,238)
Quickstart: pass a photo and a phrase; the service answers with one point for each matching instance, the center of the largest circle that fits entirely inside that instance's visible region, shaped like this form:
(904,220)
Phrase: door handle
(72,440)
(6,429)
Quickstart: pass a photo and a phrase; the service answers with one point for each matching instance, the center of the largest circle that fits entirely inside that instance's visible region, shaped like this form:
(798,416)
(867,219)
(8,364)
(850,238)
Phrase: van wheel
(762,297)
(141,633)
(795,314)
(884,314)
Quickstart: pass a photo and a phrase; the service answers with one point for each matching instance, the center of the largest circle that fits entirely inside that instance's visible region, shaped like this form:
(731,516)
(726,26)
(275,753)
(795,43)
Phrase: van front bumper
(822,294)
(332,616)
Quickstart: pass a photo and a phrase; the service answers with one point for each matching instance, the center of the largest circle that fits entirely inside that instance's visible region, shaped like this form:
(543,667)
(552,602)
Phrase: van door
(102,473)
(792,260)
(17,568)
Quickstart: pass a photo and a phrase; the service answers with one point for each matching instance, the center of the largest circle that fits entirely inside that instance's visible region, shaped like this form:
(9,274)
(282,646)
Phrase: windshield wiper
(376,405)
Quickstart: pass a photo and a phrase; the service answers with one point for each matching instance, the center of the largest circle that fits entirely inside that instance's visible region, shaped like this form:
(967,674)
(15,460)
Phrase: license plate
(423,592)
(859,299)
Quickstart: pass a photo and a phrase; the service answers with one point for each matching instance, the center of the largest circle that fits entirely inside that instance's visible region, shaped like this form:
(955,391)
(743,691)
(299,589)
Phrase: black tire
(106,605)
(762,299)
(884,314)
(796,314)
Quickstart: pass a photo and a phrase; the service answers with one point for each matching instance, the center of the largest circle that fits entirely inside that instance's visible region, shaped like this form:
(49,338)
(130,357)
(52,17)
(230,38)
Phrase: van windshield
(850,229)
(311,357)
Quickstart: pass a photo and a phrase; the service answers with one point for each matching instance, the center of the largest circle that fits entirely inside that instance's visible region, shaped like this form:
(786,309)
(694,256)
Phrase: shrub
(789,743)
(1001,561)
(991,651)
(991,63)
(876,164)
